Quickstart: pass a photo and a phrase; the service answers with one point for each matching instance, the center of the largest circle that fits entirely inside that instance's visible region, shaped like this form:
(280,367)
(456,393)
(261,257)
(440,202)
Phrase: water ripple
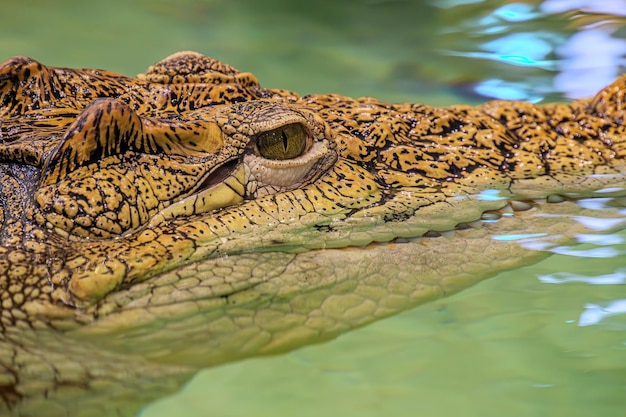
(617,277)
(595,313)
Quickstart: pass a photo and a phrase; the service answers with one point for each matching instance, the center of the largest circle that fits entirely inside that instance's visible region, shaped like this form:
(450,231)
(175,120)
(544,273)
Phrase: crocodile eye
(285,142)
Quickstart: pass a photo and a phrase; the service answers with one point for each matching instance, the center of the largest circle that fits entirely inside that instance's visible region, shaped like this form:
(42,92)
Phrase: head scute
(106,127)
(24,85)
(193,67)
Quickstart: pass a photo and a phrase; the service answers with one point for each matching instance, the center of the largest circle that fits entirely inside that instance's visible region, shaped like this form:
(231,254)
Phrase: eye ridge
(285,142)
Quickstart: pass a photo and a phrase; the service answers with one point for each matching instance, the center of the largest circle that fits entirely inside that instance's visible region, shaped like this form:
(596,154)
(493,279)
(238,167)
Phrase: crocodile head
(190,216)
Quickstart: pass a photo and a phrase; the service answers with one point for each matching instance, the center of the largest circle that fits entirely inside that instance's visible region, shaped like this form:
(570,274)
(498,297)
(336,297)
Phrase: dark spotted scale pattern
(131,201)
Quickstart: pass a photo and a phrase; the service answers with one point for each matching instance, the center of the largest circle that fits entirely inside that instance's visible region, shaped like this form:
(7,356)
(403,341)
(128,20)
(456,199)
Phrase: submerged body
(188,216)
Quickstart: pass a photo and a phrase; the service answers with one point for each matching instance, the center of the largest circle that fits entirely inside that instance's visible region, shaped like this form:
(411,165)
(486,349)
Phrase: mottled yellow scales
(188,217)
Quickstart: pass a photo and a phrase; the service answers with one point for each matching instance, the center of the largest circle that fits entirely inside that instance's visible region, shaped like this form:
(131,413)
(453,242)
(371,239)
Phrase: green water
(511,346)
(507,347)
(504,348)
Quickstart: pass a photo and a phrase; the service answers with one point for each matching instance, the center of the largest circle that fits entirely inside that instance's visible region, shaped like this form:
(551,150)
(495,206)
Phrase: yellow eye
(285,142)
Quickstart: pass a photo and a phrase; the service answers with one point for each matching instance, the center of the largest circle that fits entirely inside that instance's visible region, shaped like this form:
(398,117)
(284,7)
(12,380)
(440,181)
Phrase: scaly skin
(188,217)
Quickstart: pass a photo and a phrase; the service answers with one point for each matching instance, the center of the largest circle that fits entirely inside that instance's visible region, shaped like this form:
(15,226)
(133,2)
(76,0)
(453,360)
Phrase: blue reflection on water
(594,313)
(594,203)
(617,277)
(505,90)
(516,12)
(570,47)
(590,60)
(607,252)
(522,49)
(490,195)
(526,48)
(599,224)
(610,7)
(613,239)
(518,236)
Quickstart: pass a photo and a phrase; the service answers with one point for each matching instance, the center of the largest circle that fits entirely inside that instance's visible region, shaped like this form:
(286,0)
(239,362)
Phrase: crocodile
(187,217)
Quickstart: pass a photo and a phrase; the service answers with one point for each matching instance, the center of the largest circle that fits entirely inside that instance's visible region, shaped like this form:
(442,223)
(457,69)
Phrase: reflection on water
(533,50)
(511,346)
(593,55)
(594,313)
(539,50)
(617,277)
(607,7)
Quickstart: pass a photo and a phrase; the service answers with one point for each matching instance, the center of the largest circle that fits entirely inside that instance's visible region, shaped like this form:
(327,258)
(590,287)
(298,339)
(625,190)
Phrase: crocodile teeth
(407,240)
(448,234)
(463,226)
(506,209)
(555,198)
(518,205)
(432,233)
(490,215)
(476,224)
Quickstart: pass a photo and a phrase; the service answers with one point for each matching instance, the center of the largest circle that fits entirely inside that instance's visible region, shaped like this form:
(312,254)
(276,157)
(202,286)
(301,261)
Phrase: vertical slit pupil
(285,140)
(282,143)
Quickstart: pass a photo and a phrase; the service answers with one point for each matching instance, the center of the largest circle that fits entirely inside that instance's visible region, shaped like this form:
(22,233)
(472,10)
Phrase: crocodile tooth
(432,233)
(400,240)
(476,224)
(519,205)
(490,215)
(407,239)
(403,240)
(463,226)
(506,209)
(555,198)
(448,234)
